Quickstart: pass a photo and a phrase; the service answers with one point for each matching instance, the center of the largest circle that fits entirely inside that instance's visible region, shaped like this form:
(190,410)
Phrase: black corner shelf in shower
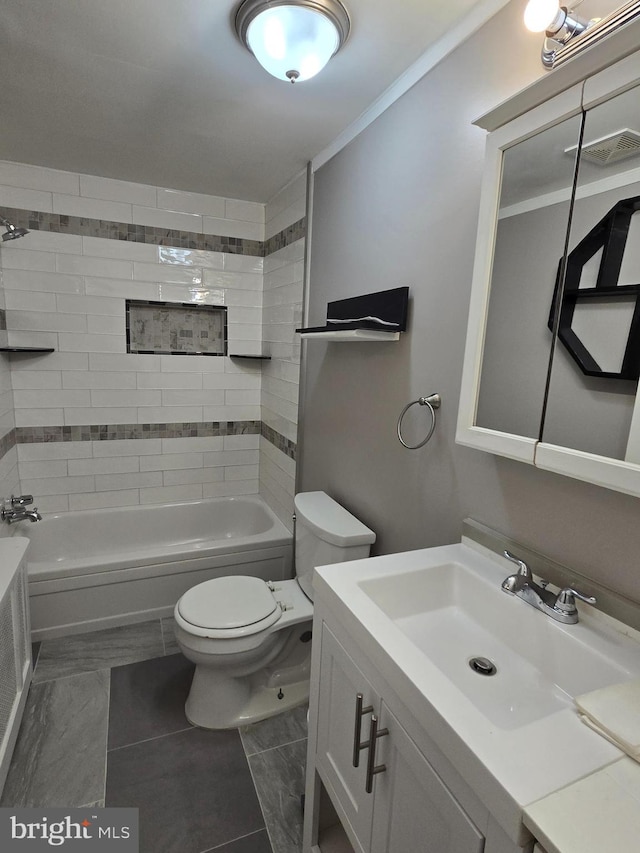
(249,355)
(27,349)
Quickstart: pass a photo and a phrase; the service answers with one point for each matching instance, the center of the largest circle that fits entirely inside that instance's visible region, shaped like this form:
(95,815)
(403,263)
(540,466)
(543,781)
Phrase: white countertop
(597,814)
(509,769)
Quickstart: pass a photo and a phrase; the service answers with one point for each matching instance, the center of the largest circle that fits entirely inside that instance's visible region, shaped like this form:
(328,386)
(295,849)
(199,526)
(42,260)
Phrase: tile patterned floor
(105,725)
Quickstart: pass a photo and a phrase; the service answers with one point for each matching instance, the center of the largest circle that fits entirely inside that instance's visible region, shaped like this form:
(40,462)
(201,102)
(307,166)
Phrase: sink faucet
(561,607)
(15,510)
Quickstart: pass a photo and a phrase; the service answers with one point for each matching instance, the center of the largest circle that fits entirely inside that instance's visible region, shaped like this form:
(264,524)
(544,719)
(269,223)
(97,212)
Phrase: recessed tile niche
(176,328)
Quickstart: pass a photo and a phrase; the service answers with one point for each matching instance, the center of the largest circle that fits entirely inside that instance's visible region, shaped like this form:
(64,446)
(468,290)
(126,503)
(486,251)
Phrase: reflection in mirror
(594,378)
(535,198)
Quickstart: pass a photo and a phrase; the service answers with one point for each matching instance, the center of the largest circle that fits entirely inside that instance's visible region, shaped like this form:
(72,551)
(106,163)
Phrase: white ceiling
(161,92)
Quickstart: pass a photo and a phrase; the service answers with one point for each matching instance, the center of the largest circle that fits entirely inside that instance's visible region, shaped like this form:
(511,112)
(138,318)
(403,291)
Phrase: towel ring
(432,401)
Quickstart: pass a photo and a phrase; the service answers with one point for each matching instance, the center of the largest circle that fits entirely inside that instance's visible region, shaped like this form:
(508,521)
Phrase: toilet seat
(227,607)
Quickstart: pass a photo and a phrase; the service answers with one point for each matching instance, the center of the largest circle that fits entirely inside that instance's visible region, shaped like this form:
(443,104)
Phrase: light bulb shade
(292,40)
(540,14)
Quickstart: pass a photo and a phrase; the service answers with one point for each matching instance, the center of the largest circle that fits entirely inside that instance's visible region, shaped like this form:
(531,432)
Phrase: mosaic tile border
(119,432)
(60,223)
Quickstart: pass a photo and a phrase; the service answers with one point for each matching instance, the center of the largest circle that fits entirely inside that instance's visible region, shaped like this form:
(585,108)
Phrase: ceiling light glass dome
(295,40)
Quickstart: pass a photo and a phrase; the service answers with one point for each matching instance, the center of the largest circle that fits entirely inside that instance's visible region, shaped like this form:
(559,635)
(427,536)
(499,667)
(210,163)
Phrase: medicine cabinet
(553,343)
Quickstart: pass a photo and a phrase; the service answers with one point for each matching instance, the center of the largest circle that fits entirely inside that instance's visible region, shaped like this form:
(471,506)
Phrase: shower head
(12,233)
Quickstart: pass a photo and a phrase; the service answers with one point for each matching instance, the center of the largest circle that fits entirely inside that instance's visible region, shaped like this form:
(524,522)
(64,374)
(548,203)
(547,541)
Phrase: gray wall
(399,206)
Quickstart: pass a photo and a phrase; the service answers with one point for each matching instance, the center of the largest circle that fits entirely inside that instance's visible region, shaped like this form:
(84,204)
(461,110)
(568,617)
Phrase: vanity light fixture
(566,33)
(292,39)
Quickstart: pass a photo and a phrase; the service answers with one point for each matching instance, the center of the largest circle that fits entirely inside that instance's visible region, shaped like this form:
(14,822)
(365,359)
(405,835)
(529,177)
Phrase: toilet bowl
(251,639)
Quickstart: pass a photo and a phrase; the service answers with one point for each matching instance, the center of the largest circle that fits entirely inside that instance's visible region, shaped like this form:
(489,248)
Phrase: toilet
(251,639)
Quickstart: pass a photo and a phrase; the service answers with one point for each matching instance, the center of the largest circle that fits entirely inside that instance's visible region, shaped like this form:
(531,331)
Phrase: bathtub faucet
(15,510)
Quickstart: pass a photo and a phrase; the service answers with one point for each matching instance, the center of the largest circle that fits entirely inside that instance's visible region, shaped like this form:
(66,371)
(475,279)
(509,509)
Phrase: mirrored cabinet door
(524,215)
(591,404)
(533,216)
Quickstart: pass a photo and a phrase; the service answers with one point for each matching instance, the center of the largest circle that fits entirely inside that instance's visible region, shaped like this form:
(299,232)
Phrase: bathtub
(103,568)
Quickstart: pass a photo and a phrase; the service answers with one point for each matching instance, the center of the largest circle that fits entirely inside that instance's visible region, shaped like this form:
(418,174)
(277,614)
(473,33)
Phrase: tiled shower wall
(282,314)
(94,425)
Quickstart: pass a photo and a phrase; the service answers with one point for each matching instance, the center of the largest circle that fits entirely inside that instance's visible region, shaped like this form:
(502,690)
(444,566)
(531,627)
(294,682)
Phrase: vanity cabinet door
(340,683)
(413,808)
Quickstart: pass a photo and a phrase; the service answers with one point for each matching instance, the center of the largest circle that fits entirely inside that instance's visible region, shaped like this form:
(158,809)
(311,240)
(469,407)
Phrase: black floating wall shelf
(27,349)
(374,317)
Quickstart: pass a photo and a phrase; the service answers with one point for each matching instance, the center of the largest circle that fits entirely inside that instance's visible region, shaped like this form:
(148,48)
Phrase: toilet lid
(227,603)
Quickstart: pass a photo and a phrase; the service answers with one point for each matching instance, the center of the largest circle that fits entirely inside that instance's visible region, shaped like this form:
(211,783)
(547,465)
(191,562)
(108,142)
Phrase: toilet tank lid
(331,522)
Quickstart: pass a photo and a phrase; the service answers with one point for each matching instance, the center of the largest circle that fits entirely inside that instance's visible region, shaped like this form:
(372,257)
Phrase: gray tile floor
(104,725)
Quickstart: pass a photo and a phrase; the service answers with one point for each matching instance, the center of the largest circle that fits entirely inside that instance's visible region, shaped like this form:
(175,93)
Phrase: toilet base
(235,704)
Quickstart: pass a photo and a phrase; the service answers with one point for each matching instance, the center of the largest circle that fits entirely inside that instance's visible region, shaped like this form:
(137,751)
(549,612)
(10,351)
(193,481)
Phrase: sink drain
(483,666)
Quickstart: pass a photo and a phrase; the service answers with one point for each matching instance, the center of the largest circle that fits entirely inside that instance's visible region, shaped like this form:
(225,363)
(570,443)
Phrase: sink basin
(452,614)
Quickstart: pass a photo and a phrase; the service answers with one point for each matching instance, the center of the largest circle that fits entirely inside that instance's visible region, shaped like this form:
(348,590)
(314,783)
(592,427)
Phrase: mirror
(594,377)
(533,212)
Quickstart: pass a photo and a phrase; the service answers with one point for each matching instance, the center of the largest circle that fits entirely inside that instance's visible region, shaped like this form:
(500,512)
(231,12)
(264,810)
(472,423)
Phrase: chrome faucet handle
(523,568)
(566,601)
(22,500)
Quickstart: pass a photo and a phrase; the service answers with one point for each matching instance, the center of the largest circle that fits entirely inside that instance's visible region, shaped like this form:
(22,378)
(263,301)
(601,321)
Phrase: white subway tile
(105,398)
(184,364)
(230,457)
(124,250)
(248,211)
(170,461)
(47,281)
(170,414)
(43,468)
(127,447)
(101,325)
(241,472)
(251,316)
(112,190)
(48,241)
(241,398)
(77,417)
(38,178)
(243,298)
(32,339)
(27,380)
(284,219)
(70,342)
(232,280)
(111,482)
(167,219)
(52,361)
(184,381)
(31,300)
(231,413)
(94,380)
(121,288)
(96,267)
(106,465)
(193,475)
(50,399)
(89,305)
(238,381)
(171,494)
(197,294)
(54,450)
(26,199)
(53,503)
(243,263)
(167,273)
(174,397)
(104,500)
(28,260)
(241,442)
(90,208)
(123,362)
(245,331)
(188,257)
(58,485)
(193,444)
(186,202)
(45,321)
(232,228)
(230,488)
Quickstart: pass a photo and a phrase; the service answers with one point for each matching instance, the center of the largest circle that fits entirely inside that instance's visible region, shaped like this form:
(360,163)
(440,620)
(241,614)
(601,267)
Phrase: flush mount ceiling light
(566,34)
(292,40)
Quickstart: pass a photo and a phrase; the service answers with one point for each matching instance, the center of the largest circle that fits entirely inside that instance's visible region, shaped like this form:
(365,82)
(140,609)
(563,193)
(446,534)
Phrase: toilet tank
(326,533)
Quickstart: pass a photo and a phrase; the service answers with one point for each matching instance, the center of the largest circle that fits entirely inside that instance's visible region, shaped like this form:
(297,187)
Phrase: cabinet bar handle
(372,769)
(360,712)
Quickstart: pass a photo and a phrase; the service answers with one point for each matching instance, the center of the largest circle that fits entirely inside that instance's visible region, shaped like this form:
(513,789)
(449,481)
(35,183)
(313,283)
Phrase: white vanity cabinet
(408,808)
